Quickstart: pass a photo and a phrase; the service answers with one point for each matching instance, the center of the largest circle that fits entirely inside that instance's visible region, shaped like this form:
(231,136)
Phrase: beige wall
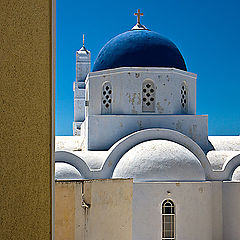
(26,119)
(109,215)
(69,215)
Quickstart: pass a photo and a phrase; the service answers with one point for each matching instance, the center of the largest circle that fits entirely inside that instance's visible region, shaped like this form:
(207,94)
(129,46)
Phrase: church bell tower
(83,64)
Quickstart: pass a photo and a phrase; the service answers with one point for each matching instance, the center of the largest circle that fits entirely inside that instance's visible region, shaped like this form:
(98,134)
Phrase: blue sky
(206,32)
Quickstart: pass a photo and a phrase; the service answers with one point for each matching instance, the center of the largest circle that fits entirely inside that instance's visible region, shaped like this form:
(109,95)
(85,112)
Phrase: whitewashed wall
(79,102)
(127,90)
(79,107)
(126,114)
(104,130)
(83,64)
(196,215)
(231,210)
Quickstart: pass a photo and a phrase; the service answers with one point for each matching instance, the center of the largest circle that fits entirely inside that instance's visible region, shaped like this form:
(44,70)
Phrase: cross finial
(83,40)
(138,14)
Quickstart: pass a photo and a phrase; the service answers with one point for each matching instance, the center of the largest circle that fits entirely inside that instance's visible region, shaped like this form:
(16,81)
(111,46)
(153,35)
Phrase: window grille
(168,220)
(106,98)
(148,96)
(184,97)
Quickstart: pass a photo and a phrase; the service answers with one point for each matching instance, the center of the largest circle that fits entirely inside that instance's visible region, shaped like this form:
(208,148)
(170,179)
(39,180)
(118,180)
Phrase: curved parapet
(125,144)
(115,153)
(230,166)
(64,171)
(219,159)
(78,163)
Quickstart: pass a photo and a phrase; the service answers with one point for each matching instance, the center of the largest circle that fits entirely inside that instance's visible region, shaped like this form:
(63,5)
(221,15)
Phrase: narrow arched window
(148,96)
(168,220)
(184,97)
(106,105)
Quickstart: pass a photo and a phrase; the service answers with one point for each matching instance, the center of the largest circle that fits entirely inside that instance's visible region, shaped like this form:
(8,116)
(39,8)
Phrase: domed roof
(159,160)
(236,174)
(218,159)
(66,171)
(139,48)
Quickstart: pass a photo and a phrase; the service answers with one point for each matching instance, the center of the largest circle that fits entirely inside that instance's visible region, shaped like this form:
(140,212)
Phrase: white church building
(135,117)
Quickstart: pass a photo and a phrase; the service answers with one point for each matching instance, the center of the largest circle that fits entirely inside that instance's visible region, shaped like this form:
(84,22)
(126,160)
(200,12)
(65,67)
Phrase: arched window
(148,96)
(106,106)
(184,97)
(168,220)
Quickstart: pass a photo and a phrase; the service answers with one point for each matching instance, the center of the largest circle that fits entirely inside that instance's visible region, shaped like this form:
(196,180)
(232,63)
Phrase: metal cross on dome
(138,14)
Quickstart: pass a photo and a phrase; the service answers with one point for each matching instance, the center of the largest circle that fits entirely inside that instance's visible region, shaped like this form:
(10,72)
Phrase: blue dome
(139,48)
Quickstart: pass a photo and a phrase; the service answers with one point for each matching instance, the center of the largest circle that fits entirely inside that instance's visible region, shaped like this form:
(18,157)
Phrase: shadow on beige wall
(93,209)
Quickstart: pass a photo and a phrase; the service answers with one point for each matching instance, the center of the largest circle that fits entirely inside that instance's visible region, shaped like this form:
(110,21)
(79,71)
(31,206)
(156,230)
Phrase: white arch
(230,167)
(128,142)
(78,163)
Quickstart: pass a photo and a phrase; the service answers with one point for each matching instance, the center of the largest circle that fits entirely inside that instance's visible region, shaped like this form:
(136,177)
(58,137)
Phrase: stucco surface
(73,145)
(26,119)
(127,90)
(193,203)
(111,128)
(68,143)
(114,154)
(111,213)
(159,160)
(66,171)
(236,174)
(94,159)
(231,210)
(220,158)
(68,215)
(225,143)
(93,209)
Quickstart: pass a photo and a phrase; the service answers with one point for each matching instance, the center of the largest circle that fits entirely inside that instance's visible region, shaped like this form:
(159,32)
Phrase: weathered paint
(93,209)
(127,90)
(111,128)
(69,216)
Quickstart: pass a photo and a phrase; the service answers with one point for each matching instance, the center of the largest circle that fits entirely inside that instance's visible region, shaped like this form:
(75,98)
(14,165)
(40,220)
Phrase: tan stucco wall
(109,215)
(26,119)
(67,204)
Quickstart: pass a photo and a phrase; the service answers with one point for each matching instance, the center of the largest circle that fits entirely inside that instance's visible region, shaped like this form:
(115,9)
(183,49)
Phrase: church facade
(135,117)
